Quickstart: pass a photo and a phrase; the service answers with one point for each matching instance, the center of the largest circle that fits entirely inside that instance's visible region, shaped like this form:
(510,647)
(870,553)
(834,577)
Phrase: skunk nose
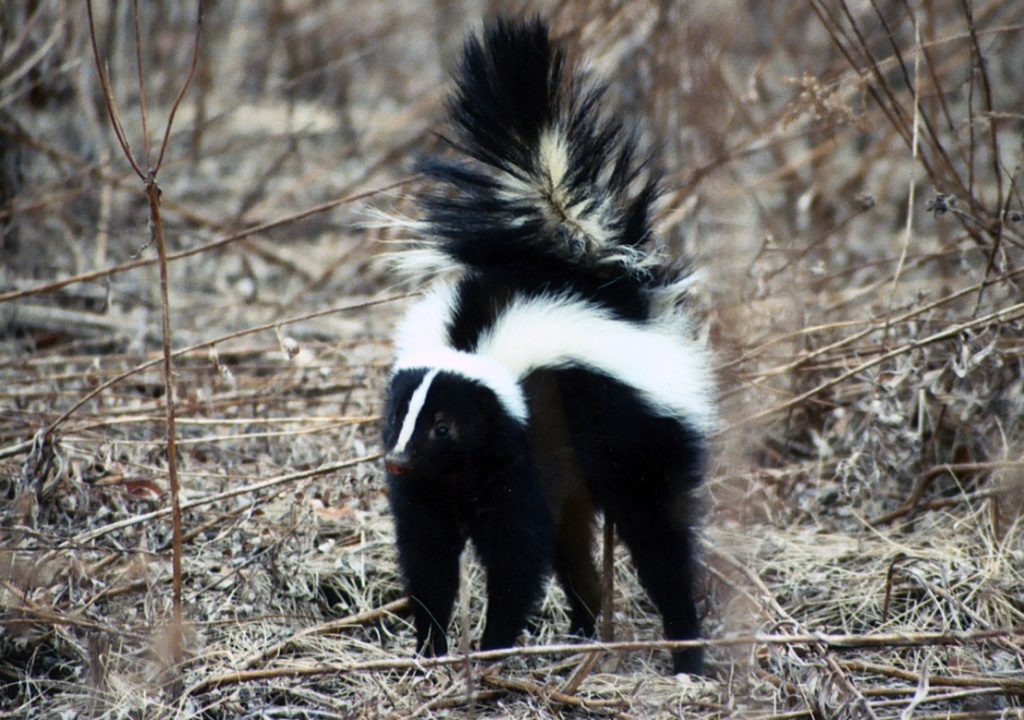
(397,463)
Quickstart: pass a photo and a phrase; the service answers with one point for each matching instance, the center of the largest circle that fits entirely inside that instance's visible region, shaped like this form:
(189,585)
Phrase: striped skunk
(553,373)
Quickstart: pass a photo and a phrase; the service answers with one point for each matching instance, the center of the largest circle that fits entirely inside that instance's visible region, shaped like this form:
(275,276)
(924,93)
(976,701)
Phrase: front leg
(514,539)
(429,545)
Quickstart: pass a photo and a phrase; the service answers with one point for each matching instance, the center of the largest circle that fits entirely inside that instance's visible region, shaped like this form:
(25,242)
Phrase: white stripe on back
(419,397)
(671,372)
(658,358)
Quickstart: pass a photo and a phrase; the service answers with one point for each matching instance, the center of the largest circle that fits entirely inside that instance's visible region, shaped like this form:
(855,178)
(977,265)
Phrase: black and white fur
(553,374)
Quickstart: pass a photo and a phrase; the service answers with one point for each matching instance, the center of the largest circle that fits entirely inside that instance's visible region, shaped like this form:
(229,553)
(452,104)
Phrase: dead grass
(847,178)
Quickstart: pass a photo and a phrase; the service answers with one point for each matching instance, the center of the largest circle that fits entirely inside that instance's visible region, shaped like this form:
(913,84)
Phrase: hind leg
(663,550)
(574,564)
(569,499)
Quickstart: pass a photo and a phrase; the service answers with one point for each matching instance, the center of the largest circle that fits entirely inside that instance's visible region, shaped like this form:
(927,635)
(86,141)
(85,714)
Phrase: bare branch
(184,87)
(108,98)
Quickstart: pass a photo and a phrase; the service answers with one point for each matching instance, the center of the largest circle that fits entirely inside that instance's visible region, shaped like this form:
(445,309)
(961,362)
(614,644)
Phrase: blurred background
(844,177)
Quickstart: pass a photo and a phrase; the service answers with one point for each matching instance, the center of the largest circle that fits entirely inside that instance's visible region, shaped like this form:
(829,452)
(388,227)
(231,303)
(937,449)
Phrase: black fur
(525,493)
(482,296)
(474,483)
(509,490)
(512,87)
(641,471)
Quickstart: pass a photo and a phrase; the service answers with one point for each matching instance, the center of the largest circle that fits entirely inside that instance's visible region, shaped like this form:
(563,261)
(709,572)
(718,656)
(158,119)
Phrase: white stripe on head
(412,413)
(669,370)
(477,368)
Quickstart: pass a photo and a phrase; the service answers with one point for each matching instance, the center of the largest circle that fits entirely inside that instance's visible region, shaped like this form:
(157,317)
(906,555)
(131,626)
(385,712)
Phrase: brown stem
(184,87)
(108,97)
(140,68)
(157,231)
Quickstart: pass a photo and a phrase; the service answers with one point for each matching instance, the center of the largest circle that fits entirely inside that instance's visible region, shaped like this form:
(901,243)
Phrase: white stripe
(422,342)
(486,371)
(425,325)
(658,358)
(419,397)
(671,371)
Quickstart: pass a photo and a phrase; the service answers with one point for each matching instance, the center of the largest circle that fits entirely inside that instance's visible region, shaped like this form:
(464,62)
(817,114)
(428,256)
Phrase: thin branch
(108,97)
(146,149)
(181,93)
(914,145)
(934,141)
(832,27)
(821,649)
(872,326)
(986,89)
(296,669)
(207,343)
(331,627)
(548,695)
(1012,312)
(227,494)
(215,245)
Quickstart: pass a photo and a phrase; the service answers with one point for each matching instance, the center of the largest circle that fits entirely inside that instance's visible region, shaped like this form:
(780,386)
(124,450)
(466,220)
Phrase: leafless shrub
(846,176)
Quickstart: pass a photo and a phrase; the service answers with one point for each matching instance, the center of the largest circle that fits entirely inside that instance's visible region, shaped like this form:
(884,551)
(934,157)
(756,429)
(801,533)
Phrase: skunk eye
(441,430)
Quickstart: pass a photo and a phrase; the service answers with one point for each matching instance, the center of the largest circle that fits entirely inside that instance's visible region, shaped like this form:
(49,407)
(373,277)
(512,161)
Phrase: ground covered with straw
(846,180)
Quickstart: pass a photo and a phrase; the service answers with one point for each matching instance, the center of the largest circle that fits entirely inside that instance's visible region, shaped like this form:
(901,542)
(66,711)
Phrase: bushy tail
(540,168)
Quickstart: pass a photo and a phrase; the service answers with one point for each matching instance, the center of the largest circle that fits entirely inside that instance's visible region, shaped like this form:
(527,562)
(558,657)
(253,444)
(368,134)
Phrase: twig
(1005,314)
(450,699)
(914,145)
(157,235)
(296,669)
(1009,684)
(215,245)
(924,479)
(108,99)
(833,29)
(394,607)
(66,320)
(146,149)
(184,88)
(935,142)
(854,695)
(208,343)
(986,88)
(873,326)
(198,502)
(30,614)
(549,695)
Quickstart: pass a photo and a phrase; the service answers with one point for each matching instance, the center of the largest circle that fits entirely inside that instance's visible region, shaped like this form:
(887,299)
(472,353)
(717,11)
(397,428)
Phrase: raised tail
(540,168)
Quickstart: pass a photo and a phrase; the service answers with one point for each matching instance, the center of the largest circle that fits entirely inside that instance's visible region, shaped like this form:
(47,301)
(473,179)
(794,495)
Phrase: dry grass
(847,178)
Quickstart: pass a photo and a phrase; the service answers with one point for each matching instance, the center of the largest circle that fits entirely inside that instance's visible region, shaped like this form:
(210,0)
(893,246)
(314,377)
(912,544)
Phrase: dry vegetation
(846,176)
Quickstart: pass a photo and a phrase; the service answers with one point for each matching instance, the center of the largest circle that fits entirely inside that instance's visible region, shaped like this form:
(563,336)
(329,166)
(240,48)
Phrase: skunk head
(441,424)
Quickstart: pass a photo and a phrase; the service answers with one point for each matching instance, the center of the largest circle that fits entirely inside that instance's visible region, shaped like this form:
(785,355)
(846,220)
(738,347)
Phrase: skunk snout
(397,463)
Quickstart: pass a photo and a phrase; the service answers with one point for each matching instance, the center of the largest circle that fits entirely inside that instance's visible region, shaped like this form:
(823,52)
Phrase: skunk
(553,373)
